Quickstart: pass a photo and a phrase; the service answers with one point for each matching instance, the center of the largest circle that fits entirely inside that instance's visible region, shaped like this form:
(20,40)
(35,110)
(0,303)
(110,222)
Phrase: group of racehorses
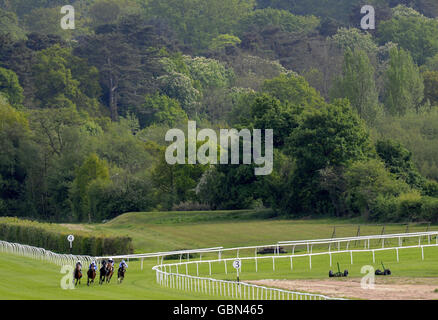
(106,273)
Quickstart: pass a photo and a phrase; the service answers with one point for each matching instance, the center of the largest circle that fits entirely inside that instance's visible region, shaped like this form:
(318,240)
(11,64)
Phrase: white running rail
(230,289)
(42,254)
(241,290)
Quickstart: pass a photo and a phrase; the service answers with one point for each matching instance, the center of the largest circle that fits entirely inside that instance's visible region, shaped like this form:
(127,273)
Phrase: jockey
(111,262)
(93,265)
(123,263)
(79,264)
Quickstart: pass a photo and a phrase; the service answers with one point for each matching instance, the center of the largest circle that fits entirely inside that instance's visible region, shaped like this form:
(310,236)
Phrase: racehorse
(109,272)
(77,275)
(103,272)
(121,274)
(91,275)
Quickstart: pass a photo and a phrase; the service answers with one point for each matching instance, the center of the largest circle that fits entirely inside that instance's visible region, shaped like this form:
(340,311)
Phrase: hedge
(37,235)
(406,207)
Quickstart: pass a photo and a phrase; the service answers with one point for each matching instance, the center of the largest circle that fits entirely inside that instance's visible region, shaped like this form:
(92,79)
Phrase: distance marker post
(70,239)
(237,264)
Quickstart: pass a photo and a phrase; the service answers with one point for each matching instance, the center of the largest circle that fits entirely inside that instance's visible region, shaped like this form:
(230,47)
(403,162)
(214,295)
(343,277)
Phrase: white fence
(333,246)
(170,275)
(42,254)
(230,289)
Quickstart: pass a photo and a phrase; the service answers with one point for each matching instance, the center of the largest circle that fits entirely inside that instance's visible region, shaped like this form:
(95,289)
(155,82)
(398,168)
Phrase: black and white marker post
(237,264)
(70,239)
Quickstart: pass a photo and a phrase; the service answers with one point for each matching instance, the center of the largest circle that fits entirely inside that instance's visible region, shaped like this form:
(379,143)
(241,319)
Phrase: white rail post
(397,254)
(374,257)
(291,263)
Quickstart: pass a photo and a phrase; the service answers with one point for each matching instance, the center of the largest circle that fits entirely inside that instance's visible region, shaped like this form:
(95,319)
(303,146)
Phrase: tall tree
(126,55)
(404,88)
(329,137)
(10,86)
(91,170)
(357,84)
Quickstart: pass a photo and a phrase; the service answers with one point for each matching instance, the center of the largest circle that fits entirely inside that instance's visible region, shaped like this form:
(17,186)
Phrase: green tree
(398,160)
(63,80)
(260,19)
(431,86)
(228,187)
(415,33)
(46,21)
(104,12)
(269,113)
(9,25)
(366,181)
(331,136)
(127,57)
(404,88)
(293,89)
(10,86)
(160,109)
(354,39)
(357,84)
(14,159)
(432,63)
(198,22)
(91,170)
(224,41)
(175,183)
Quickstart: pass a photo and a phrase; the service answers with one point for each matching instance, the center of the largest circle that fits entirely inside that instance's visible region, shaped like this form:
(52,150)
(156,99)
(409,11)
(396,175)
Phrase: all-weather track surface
(398,288)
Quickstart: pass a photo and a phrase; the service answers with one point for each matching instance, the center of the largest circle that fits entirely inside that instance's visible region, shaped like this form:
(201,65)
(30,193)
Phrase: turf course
(164,231)
(36,280)
(151,232)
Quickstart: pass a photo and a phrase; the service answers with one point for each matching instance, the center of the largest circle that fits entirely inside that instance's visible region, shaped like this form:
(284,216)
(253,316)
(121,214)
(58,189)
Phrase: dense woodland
(84,112)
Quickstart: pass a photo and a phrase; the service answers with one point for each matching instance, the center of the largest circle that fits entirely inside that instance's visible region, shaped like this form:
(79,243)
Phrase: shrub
(384,208)
(409,206)
(430,209)
(430,188)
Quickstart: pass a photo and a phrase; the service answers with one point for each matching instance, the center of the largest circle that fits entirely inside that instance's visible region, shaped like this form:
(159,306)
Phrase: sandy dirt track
(390,288)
